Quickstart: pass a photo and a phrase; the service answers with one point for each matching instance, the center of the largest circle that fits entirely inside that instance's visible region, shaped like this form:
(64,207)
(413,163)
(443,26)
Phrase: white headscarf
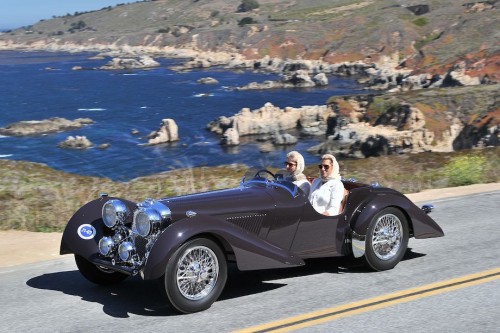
(297,157)
(335,165)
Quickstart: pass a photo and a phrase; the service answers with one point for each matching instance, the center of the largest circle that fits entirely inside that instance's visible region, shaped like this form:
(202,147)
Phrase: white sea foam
(92,109)
(7,155)
(203,95)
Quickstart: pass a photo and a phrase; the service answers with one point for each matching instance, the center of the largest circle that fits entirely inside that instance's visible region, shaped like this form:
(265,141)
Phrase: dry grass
(35,197)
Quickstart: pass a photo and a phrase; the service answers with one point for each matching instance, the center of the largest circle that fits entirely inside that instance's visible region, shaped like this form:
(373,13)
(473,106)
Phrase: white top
(328,196)
(304,185)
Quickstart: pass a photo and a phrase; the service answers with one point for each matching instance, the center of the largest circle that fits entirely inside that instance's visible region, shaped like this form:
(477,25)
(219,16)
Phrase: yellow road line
(329,314)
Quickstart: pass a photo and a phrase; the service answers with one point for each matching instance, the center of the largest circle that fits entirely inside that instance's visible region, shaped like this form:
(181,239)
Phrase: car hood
(227,202)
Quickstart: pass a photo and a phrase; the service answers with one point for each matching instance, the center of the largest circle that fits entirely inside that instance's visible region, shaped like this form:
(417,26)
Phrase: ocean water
(41,85)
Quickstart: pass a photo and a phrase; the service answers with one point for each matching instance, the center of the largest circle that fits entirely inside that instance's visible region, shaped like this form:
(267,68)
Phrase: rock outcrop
(142,62)
(271,121)
(76,142)
(297,79)
(168,132)
(207,80)
(39,127)
(437,120)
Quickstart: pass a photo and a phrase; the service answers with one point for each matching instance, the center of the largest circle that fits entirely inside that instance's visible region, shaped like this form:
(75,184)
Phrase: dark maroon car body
(266,222)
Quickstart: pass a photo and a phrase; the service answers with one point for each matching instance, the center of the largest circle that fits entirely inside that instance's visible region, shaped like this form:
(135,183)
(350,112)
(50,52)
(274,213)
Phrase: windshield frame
(277,180)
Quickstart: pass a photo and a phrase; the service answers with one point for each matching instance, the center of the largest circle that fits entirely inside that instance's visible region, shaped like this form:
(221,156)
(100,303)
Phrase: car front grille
(140,246)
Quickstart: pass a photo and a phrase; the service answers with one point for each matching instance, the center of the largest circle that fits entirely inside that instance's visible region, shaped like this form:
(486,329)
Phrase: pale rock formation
(458,75)
(131,63)
(273,121)
(296,79)
(38,127)
(168,132)
(75,142)
(207,80)
(230,137)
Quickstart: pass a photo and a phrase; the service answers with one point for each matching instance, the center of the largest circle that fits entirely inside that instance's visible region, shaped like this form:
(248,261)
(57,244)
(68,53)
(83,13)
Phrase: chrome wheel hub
(197,272)
(387,236)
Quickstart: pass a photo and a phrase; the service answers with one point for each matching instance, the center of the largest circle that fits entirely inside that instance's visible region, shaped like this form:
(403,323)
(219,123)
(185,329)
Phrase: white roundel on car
(86,231)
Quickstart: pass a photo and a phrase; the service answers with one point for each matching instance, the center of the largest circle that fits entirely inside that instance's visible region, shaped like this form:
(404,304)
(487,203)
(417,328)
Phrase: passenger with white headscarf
(327,191)
(295,167)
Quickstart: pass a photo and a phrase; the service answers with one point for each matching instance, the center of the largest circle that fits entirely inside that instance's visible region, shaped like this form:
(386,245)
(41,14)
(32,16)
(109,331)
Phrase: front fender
(84,229)
(250,251)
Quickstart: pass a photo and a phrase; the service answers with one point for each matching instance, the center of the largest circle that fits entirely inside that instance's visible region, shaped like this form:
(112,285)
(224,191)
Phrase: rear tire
(386,239)
(195,275)
(97,274)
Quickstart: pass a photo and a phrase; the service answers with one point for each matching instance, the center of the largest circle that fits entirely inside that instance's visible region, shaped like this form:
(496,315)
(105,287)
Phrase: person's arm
(306,187)
(337,195)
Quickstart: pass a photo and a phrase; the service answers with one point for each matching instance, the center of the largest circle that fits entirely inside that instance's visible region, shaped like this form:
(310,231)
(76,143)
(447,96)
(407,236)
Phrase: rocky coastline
(345,123)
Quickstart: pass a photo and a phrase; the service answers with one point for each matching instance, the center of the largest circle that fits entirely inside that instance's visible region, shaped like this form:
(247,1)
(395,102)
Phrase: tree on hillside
(248,5)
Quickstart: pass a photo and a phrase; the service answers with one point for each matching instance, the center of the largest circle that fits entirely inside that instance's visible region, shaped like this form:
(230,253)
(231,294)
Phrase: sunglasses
(321,166)
(289,164)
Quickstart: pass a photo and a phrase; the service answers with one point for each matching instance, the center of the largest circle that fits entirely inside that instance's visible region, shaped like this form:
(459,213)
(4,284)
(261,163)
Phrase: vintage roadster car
(266,222)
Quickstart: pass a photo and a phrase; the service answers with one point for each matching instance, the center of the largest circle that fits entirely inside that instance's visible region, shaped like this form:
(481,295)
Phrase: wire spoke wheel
(197,272)
(386,239)
(195,275)
(387,236)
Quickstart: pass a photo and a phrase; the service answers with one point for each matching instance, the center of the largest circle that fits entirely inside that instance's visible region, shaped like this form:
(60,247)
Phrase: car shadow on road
(244,283)
(145,298)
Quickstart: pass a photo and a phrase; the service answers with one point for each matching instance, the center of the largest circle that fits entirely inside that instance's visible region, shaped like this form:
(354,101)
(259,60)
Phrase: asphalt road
(448,284)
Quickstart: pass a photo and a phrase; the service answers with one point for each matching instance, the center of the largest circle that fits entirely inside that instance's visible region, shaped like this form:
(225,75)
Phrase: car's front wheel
(97,274)
(195,275)
(386,239)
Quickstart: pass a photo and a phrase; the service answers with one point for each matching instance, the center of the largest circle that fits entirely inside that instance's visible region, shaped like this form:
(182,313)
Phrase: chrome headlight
(106,245)
(114,212)
(146,220)
(126,250)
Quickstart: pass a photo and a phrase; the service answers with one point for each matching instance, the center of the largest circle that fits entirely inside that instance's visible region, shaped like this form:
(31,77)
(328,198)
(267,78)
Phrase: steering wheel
(257,175)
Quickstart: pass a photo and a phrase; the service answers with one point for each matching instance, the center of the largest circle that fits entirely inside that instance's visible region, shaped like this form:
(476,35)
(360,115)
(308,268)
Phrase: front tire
(96,274)
(195,275)
(386,239)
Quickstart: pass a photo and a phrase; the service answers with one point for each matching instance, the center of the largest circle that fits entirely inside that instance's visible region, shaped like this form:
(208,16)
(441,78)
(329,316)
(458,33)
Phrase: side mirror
(427,208)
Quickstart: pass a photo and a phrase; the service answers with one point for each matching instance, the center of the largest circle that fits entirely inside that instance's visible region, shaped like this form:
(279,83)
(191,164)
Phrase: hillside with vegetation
(423,36)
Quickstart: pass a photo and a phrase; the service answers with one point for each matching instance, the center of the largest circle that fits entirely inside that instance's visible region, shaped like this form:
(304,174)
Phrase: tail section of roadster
(266,222)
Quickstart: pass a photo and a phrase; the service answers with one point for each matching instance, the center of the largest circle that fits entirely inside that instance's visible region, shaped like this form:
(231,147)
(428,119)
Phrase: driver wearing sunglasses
(327,191)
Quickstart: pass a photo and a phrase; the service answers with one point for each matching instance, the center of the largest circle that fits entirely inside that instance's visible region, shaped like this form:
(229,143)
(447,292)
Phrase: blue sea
(41,85)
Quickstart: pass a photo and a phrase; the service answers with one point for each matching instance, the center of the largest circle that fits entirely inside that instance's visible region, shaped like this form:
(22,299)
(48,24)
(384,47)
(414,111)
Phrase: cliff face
(429,37)
(431,120)
(435,120)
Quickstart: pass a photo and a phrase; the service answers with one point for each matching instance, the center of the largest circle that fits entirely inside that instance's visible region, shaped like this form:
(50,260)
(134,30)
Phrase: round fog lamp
(125,251)
(106,245)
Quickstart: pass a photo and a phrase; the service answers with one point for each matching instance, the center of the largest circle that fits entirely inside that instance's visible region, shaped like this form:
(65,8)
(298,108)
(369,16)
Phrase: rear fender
(250,251)
(421,224)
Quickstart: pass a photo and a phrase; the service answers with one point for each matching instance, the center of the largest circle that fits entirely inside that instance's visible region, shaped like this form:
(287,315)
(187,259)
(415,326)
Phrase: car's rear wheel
(386,239)
(97,274)
(195,275)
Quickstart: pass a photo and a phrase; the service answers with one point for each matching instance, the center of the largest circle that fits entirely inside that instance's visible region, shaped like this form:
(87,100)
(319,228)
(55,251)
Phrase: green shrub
(248,5)
(421,21)
(246,20)
(426,40)
(466,170)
